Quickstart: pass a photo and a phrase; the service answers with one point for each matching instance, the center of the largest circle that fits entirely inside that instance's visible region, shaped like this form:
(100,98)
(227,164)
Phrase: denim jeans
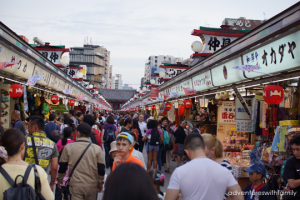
(59,193)
(108,159)
(159,162)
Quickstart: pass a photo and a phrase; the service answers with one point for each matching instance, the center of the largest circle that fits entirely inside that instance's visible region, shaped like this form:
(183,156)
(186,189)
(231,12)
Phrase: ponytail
(218,149)
(67,133)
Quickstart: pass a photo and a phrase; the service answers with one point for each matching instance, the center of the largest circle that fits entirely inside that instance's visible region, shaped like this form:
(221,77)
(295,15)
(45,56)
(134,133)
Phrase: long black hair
(71,124)
(136,125)
(152,124)
(67,133)
(124,183)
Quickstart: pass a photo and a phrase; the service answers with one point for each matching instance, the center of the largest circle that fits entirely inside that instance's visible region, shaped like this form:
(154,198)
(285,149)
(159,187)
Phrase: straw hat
(113,147)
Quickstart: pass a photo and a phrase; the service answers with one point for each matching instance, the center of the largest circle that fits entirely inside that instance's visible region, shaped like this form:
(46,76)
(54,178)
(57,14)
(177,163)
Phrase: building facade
(127,87)
(97,60)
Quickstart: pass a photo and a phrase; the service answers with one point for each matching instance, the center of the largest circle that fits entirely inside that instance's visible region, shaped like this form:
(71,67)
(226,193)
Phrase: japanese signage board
(226,112)
(221,127)
(280,55)
(61,108)
(53,56)
(25,99)
(23,69)
(214,43)
(243,125)
(224,74)
(202,81)
(172,72)
(242,108)
(242,23)
(38,71)
(154,92)
(72,72)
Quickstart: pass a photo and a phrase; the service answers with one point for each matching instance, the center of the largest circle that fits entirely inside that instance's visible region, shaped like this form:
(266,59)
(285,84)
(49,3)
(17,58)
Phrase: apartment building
(97,60)
(117,82)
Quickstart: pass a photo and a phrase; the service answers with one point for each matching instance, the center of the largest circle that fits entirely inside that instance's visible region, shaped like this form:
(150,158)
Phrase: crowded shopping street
(189,103)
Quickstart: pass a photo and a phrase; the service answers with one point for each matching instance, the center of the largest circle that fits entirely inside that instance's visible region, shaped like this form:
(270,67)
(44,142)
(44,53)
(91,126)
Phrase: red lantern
(71,102)
(146,108)
(153,107)
(54,99)
(16,91)
(168,106)
(94,106)
(139,109)
(187,103)
(273,94)
(181,110)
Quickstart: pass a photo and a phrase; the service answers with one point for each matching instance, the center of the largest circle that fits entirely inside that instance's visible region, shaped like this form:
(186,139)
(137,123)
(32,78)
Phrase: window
(155,61)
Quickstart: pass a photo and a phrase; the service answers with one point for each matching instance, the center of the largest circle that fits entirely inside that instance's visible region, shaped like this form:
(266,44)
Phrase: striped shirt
(226,164)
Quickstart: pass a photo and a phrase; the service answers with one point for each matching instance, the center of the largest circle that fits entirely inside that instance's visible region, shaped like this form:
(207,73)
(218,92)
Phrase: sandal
(168,171)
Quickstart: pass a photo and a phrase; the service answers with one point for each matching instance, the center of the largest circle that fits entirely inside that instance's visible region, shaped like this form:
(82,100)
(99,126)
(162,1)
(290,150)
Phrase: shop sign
(38,71)
(221,127)
(243,106)
(226,112)
(171,72)
(202,81)
(61,108)
(244,125)
(242,24)
(72,72)
(179,87)
(225,74)
(214,43)
(23,69)
(53,56)
(154,92)
(280,55)
(56,83)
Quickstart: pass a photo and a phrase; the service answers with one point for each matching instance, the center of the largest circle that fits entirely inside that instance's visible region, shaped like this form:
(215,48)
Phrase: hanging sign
(227,112)
(247,68)
(61,108)
(243,102)
(154,92)
(189,91)
(25,99)
(67,91)
(240,112)
(32,80)
(7,64)
(243,125)
(202,81)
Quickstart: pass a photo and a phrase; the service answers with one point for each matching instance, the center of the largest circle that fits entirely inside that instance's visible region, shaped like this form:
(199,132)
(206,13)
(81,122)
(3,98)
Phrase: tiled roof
(121,95)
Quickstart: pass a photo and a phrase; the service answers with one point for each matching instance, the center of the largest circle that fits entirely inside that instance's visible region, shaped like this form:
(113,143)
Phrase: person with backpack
(52,129)
(165,145)
(60,192)
(109,135)
(13,170)
(180,136)
(86,166)
(153,137)
(127,125)
(17,122)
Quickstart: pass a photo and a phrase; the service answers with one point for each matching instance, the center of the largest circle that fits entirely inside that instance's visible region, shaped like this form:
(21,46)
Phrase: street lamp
(197,46)
(91,86)
(152,81)
(79,75)
(162,74)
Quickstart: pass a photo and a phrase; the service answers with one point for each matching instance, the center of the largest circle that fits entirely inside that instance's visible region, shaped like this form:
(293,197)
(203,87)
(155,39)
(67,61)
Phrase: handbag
(71,173)
(37,181)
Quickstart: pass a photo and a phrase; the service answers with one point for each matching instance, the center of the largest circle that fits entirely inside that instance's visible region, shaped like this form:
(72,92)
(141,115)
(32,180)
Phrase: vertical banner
(25,99)
(241,99)
(154,92)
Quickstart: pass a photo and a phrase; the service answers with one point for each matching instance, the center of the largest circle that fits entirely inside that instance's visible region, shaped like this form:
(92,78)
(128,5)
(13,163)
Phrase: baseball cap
(126,135)
(257,167)
(84,129)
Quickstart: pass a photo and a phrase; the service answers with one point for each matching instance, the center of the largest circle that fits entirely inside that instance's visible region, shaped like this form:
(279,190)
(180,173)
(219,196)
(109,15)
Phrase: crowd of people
(76,156)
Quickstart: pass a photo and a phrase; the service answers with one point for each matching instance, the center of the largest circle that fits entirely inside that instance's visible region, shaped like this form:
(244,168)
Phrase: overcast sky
(131,30)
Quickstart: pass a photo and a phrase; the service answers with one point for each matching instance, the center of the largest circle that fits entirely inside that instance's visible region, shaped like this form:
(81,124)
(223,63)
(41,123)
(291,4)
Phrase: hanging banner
(7,64)
(242,101)
(67,91)
(154,92)
(32,80)
(240,112)
(25,99)
(227,112)
(189,91)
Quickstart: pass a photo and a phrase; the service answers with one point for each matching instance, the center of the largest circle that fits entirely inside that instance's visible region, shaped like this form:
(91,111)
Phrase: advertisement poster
(243,125)
(240,112)
(227,112)
(221,127)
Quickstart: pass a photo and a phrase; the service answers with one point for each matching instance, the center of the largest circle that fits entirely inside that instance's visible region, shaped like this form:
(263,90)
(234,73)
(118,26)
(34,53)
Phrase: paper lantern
(181,110)
(16,91)
(168,106)
(71,102)
(139,109)
(153,107)
(94,106)
(187,103)
(146,108)
(273,94)
(54,99)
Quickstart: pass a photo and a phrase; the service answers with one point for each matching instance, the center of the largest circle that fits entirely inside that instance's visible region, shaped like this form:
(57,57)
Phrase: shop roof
(121,95)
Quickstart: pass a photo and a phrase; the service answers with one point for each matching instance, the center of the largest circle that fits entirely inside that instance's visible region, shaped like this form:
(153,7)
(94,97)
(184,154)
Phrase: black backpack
(109,134)
(154,140)
(93,138)
(20,190)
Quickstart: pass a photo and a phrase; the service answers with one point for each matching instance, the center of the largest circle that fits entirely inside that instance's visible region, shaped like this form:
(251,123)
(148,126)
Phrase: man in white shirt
(143,127)
(136,153)
(201,178)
